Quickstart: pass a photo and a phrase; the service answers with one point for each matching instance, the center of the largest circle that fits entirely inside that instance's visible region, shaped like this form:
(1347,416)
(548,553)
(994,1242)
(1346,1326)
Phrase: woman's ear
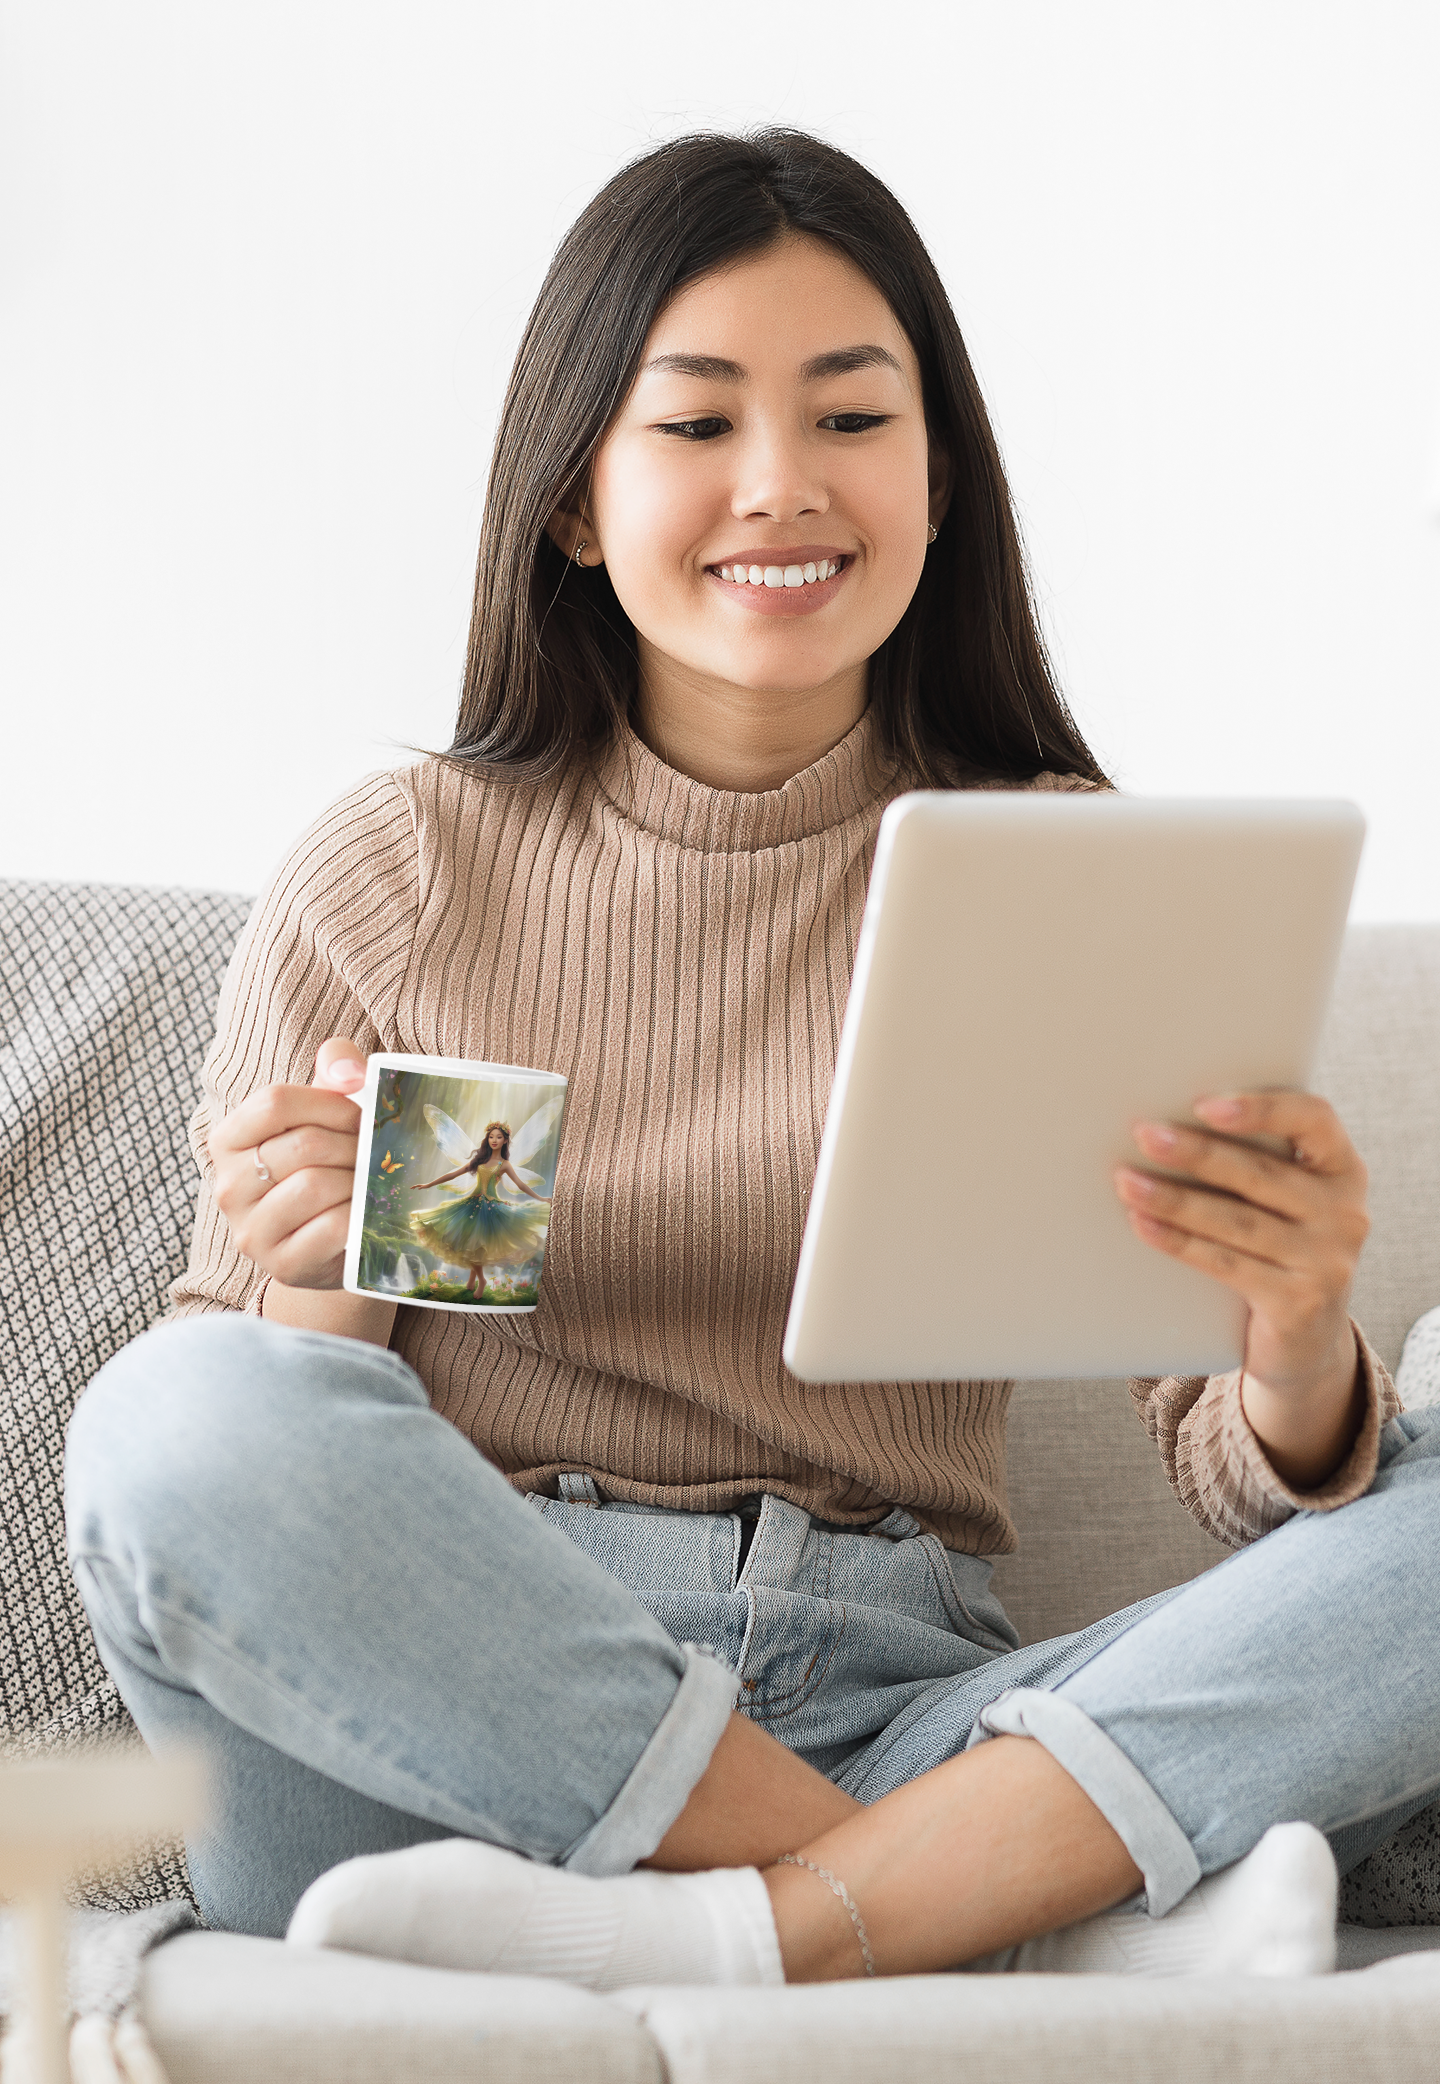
(942,482)
(573,536)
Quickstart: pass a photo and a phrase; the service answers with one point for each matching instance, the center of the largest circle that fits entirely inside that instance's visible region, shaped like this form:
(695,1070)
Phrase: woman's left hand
(1285,1234)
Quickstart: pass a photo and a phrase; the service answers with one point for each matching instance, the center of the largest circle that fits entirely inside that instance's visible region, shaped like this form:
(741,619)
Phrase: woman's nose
(777,479)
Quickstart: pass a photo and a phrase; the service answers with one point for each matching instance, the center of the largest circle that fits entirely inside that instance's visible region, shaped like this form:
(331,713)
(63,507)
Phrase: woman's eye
(853,422)
(695,430)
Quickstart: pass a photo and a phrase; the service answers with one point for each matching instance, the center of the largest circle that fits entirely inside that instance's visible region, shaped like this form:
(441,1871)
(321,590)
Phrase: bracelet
(837,1889)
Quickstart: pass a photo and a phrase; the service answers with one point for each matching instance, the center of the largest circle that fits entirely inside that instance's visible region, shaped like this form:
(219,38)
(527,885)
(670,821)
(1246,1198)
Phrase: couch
(106,996)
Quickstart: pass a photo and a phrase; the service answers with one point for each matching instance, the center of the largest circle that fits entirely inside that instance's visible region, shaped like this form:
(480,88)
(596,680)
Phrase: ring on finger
(259,1164)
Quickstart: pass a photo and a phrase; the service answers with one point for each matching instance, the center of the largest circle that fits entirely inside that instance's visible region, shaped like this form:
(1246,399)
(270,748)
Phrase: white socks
(1272,1913)
(458,1903)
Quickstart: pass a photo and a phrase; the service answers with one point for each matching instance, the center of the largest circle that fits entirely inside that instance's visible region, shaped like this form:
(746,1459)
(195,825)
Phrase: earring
(578,548)
(933,532)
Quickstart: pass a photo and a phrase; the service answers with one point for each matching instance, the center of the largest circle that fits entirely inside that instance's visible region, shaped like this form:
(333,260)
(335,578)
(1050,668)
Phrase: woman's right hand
(294,1224)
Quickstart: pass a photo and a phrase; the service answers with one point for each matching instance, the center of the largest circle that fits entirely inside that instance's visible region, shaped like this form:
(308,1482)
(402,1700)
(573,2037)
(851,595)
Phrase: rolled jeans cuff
(667,1769)
(1117,1787)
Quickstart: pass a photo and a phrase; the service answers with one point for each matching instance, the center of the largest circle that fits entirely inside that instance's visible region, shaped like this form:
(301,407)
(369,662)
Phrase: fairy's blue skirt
(478,1231)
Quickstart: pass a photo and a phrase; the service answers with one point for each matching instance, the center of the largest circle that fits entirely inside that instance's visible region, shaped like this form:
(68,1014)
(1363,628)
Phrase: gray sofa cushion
(1377,2027)
(1378,1063)
(106,1009)
(225,2010)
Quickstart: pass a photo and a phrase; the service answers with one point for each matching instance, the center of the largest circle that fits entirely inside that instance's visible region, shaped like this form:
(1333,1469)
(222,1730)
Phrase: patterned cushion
(1418,1376)
(1400,1882)
(107,999)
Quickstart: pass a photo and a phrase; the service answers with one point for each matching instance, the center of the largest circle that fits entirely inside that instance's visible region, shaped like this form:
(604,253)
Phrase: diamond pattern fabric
(106,1004)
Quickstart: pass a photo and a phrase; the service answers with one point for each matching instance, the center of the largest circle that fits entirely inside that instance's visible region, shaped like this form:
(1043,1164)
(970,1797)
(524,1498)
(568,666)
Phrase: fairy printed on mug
(440,1126)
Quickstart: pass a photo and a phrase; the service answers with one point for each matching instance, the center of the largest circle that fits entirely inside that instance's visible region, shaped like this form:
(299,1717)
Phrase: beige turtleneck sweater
(682,954)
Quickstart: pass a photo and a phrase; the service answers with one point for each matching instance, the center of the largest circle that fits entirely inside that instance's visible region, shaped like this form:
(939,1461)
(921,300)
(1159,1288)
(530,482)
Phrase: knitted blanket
(106,1010)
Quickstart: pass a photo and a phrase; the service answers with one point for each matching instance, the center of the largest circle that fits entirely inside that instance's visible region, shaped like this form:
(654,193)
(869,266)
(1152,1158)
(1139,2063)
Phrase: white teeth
(775,575)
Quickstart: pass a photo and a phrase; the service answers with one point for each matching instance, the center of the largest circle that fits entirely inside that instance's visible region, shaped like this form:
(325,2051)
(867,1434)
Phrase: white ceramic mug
(453,1178)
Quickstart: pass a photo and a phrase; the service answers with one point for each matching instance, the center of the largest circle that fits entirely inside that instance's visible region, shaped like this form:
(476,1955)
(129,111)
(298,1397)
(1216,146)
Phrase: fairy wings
(527,1141)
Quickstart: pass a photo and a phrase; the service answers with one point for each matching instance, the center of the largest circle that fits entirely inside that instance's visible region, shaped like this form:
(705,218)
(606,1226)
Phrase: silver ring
(255,1154)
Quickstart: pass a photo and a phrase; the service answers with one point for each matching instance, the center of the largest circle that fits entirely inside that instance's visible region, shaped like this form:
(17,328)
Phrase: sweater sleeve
(325,952)
(1220,1472)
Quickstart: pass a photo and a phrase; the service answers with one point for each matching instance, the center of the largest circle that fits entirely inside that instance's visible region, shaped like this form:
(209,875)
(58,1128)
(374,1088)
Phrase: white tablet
(1034,974)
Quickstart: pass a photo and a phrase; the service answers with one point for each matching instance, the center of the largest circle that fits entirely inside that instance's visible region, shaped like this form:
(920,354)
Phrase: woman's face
(776,427)
(495,1139)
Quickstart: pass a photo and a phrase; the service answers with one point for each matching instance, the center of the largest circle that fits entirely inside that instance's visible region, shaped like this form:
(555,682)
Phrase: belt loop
(897,1525)
(575,1489)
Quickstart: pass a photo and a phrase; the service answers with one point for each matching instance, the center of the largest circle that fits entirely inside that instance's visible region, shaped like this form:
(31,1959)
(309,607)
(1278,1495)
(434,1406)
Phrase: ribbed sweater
(682,954)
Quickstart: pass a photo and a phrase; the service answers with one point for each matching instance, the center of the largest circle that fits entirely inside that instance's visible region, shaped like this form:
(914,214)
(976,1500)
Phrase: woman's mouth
(777,575)
(799,586)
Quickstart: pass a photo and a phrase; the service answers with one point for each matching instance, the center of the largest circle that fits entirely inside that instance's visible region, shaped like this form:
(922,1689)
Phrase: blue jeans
(293,1563)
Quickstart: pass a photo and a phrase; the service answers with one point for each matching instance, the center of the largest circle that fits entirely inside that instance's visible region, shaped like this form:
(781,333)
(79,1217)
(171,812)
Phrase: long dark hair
(483,1153)
(962,689)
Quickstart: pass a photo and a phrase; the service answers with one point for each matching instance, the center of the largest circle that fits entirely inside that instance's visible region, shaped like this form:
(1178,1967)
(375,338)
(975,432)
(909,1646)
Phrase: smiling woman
(748,572)
(721,482)
(742,356)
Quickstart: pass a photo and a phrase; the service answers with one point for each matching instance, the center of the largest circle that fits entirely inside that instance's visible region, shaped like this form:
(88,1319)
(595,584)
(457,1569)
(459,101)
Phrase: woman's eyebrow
(709,368)
(838,361)
(843,361)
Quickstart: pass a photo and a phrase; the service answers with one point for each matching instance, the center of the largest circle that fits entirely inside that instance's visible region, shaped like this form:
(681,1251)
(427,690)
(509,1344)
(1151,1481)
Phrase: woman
(748,570)
(481,1230)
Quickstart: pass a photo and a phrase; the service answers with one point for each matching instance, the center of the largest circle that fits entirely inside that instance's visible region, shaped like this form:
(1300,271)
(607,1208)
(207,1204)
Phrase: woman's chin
(772,673)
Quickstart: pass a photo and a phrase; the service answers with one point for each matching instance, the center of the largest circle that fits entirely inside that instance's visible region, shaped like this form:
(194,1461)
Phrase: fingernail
(1158,1135)
(346,1074)
(1221,1110)
(1136,1182)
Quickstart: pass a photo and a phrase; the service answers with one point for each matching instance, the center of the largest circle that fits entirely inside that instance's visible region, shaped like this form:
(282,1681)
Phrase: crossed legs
(289,1559)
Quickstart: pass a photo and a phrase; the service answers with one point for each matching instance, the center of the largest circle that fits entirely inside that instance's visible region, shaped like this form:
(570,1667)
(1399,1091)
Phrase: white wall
(264,266)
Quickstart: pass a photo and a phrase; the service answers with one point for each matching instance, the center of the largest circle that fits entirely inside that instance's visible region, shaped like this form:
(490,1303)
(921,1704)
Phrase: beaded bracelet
(837,1889)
